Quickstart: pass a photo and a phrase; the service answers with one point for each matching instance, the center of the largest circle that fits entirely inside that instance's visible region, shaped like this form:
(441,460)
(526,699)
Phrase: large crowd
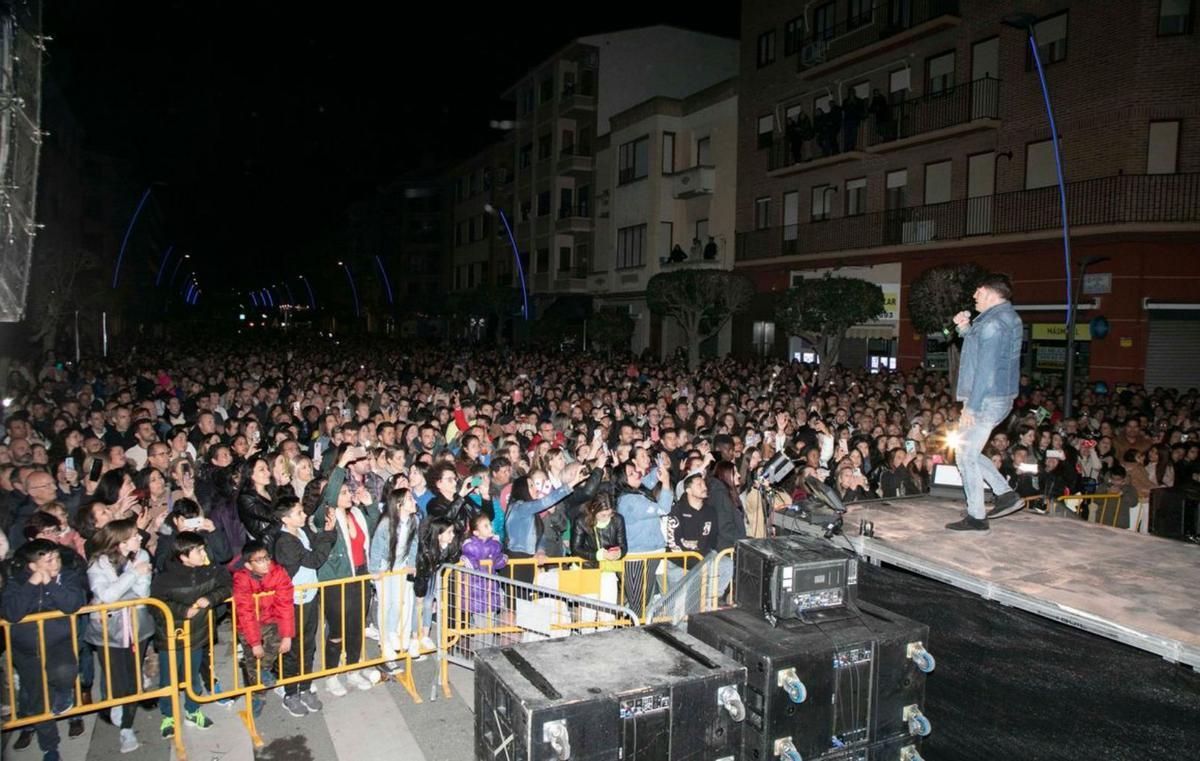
(219,472)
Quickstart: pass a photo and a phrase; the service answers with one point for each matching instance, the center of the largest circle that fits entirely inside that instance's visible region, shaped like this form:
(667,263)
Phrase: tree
(55,291)
(821,310)
(936,296)
(701,301)
(611,328)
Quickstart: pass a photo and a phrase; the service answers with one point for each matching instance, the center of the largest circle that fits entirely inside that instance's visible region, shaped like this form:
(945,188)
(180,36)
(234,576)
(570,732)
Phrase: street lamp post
(497,211)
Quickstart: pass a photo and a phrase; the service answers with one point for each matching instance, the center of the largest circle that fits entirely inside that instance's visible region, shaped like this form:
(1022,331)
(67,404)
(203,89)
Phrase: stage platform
(1136,589)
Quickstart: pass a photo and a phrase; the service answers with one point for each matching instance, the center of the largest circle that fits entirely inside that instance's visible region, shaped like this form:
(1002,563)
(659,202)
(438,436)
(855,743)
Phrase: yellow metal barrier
(1103,502)
(715,599)
(477,610)
(238,686)
(169,691)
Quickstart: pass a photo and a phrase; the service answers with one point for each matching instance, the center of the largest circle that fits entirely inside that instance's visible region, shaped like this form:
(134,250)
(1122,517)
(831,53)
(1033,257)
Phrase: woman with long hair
(394,548)
(1158,466)
(119,569)
(439,544)
(255,499)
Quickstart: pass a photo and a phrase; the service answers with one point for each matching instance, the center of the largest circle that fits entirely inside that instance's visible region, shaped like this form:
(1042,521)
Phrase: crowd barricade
(638,577)
(716,598)
(478,610)
(1104,509)
(235,674)
(103,614)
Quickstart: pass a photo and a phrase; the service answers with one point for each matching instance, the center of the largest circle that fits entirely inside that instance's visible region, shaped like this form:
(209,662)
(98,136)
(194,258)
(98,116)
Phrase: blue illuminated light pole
(497,211)
(162,264)
(312,300)
(129,230)
(1027,22)
(353,287)
(386,282)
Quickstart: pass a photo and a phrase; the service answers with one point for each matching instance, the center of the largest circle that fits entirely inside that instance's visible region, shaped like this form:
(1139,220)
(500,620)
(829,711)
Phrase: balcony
(576,160)
(697,181)
(721,261)
(573,219)
(886,26)
(577,103)
(1105,201)
(955,111)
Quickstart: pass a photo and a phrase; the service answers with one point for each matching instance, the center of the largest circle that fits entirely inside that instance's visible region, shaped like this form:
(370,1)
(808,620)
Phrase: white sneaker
(356,680)
(372,632)
(428,644)
(280,692)
(395,643)
(373,676)
(129,741)
(414,649)
(335,687)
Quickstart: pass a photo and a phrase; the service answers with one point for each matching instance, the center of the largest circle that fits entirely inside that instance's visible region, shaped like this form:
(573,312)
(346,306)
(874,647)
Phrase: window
(822,202)
(1174,17)
(471,230)
(793,35)
(762,213)
(631,246)
(525,157)
(1162,153)
(633,160)
(564,259)
(1039,165)
(459,189)
(564,203)
(526,211)
(546,90)
(856,197)
(543,203)
(470,275)
(858,13)
(543,260)
(668,153)
(545,146)
(583,262)
(525,100)
(766,131)
(937,182)
(1051,36)
(458,234)
(474,183)
(583,200)
(666,235)
(898,85)
(766,48)
(763,338)
(704,152)
(568,142)
(791,215)
(939,73)
(824,21)
(701,232)
(896,184)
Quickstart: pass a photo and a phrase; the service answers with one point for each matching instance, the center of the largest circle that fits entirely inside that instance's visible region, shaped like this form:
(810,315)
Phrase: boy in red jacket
(265,625)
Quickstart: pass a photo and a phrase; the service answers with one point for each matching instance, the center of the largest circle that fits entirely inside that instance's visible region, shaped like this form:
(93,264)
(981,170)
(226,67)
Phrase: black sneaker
(969,524)
(75,727)
(24,738)
(1006,504)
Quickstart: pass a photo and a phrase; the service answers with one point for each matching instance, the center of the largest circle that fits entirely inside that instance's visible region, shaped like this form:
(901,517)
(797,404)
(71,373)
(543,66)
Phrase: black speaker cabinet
(794,577)
(825,688)
(646,694)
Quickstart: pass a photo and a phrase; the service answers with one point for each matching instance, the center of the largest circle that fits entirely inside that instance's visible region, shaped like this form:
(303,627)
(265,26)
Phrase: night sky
(265,120)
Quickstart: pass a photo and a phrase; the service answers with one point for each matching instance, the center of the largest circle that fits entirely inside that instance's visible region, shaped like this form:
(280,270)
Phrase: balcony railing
(1123,199)
(884,20)
(577,210)
(962,104)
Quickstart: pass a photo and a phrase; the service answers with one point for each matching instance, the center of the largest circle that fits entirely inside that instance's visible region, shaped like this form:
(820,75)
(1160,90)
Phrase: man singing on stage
(987,384)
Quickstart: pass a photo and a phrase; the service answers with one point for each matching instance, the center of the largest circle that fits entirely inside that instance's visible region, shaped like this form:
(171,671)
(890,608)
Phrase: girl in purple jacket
(482,552)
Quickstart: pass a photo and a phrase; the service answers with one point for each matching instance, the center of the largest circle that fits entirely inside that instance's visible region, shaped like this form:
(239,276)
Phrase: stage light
(952,440)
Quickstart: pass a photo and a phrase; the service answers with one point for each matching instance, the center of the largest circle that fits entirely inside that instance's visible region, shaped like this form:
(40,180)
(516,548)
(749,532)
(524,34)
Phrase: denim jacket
(991,357)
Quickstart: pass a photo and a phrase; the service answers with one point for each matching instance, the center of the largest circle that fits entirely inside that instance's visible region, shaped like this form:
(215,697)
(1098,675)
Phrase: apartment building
(565,107)
(666,179)
(480,251)
(942,152)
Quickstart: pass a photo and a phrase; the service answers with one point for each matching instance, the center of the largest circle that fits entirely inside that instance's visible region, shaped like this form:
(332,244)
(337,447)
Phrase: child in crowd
(394,549)
(262,601)
(439,545)
(482,552)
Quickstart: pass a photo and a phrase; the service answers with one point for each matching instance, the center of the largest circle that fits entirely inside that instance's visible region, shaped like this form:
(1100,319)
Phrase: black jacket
(290,553)
(454,511)
(731,519)
(692,530)
(66,593)
(897,483)
(256,515)
(585,543)
(178,587)
(215,543)
(582,495)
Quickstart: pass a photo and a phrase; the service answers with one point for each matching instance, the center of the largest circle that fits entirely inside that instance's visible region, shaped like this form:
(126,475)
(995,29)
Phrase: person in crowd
(393,558)
(191,586)
(263,603)
(302,551)
(439,545)
(119,570)
(39,583)
(482,552)
(895,479)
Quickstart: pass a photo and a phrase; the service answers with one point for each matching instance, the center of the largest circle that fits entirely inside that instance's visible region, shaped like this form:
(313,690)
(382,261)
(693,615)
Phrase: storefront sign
(1056,331)
(1097,283)
(1050,357)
